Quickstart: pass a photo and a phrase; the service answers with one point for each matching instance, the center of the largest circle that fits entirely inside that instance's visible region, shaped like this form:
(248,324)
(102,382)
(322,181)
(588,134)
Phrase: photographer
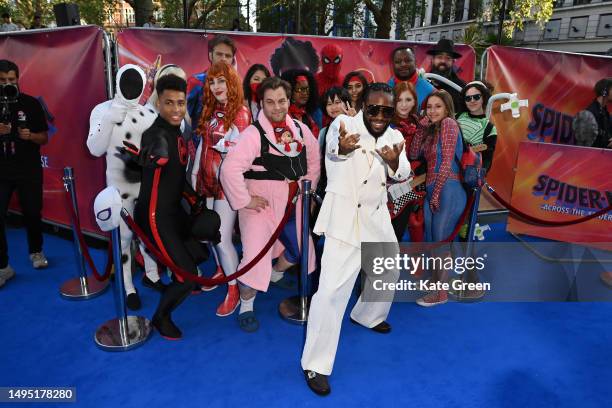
(23,129)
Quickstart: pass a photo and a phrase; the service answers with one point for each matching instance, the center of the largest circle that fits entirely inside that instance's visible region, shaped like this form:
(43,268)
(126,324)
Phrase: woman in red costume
(254,76)
(224,116)
(404,209)
(304,99)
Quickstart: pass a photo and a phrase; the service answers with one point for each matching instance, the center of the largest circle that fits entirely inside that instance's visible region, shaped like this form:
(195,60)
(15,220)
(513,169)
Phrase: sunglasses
(468,98)
(374,110)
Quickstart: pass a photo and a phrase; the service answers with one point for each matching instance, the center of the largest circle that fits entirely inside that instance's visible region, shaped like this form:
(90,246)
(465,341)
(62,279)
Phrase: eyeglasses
(468,98)
(305,90)
(374,110)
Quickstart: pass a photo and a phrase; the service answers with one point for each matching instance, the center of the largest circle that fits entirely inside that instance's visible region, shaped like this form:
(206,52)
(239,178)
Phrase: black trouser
(173,233)
(400,222)
(29,191)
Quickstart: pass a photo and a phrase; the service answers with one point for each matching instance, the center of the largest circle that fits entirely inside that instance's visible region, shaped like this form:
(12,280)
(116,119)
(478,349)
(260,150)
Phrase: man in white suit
(361,152)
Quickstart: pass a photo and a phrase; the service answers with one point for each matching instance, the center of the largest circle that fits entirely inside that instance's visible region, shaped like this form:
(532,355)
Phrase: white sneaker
(6,273)
(38,260)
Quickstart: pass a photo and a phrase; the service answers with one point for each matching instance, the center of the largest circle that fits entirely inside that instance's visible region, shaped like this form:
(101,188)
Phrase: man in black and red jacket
(177,235)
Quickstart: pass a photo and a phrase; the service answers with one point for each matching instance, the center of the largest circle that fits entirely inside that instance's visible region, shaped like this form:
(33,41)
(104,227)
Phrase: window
(457,35)
(605,26)
(446,11)
(579,2)
(552,29)
(578,27)
(418,37)
(444,34)
(433,37)
(475,7)
(459,4)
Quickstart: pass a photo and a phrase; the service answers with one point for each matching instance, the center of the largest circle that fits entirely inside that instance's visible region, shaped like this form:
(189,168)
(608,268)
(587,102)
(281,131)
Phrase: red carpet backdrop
(64,68)
(557,85)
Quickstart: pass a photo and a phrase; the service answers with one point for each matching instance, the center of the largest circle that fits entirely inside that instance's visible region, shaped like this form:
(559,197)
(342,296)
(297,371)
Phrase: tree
(142,10)
(538,10)
(93,12)
(520,11)
(382,16)
(23,11)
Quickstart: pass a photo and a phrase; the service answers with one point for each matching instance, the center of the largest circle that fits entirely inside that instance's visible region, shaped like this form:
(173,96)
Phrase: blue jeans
(439,225)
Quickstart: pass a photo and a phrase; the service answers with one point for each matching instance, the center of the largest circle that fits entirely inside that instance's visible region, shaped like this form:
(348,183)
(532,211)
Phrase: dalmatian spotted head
(130,84)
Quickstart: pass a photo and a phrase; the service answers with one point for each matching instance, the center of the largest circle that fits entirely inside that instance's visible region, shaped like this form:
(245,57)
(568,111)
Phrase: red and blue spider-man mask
(331,57)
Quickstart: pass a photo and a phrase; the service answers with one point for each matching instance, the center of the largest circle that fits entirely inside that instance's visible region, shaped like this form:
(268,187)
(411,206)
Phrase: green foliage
(538,10)
(172,14)
(91,11)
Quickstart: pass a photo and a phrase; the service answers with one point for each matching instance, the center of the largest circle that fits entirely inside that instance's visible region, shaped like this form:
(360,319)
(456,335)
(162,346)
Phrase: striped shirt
(473,127)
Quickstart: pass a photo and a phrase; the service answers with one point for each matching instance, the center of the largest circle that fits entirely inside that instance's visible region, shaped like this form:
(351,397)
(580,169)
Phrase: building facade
(575,26)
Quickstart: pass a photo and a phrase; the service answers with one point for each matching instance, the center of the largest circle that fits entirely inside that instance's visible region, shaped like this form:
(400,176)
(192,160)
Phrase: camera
(9,93)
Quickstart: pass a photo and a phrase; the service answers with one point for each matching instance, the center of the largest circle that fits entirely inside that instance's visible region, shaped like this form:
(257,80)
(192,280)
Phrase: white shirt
(7,27)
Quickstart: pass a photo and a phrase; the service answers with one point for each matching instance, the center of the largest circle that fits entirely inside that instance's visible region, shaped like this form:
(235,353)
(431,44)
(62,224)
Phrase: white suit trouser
(340,266)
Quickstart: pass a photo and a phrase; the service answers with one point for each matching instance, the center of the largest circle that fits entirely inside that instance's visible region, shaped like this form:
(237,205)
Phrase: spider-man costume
(331,60)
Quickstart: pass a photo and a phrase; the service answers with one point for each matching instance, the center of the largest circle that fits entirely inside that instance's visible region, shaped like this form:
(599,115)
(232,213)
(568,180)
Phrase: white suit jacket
(354,209)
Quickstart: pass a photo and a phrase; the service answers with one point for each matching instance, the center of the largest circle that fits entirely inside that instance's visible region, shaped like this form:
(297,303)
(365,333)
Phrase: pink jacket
(257,227)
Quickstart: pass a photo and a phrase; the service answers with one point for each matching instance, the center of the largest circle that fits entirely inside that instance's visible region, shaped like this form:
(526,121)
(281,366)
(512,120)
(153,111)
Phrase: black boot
(166,327)
(173,296)
(132,301)
(158,286)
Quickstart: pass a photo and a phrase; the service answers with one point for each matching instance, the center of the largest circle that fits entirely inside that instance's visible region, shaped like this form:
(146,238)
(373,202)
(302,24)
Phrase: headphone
(165,68)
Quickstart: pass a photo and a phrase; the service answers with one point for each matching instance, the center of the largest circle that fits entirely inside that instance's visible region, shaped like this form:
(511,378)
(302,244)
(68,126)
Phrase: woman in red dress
(224,116)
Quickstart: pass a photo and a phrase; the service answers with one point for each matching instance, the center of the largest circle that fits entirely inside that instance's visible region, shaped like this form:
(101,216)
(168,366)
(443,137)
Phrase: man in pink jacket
(256,174)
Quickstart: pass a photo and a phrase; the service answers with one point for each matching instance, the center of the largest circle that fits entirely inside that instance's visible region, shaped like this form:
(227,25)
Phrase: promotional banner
(559,183)
(151,48)
(64,69)
(557,85)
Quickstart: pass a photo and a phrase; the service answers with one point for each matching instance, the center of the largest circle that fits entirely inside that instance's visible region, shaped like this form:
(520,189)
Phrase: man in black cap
(444,56)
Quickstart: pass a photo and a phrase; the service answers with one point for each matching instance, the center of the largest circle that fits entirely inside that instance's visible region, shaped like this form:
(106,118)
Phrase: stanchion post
(78,251)
(119,286)
(470,236)
(295,309)
(125,332)
(82,287)
(306,185)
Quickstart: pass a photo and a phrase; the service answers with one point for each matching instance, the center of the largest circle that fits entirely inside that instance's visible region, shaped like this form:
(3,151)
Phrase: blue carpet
(478,355)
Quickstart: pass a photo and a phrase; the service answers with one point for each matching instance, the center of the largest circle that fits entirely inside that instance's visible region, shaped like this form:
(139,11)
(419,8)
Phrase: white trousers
(340,266)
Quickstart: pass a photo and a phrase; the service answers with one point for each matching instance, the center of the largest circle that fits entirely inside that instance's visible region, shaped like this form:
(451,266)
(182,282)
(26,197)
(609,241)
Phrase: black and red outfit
(160,214)
(303,116)
(411,215)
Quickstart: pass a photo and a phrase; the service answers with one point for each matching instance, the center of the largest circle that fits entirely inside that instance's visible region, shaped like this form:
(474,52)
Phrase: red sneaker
(218,274)
(231,301)
(433,299)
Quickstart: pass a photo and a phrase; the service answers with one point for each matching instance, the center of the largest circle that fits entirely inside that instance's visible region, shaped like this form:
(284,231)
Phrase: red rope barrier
(534,220)
(185,275)
(83,244)
(462,219)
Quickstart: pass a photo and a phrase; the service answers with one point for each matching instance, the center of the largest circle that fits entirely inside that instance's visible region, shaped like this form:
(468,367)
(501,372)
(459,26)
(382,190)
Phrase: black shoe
(158,286)
(166,327)
(317,382)
(382,328)
(133,301)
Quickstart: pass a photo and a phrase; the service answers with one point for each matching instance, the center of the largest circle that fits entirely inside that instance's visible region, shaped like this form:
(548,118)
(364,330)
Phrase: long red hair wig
(235,95)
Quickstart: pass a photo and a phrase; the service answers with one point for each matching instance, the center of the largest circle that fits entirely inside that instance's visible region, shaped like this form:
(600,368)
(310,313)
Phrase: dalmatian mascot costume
(110,123)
